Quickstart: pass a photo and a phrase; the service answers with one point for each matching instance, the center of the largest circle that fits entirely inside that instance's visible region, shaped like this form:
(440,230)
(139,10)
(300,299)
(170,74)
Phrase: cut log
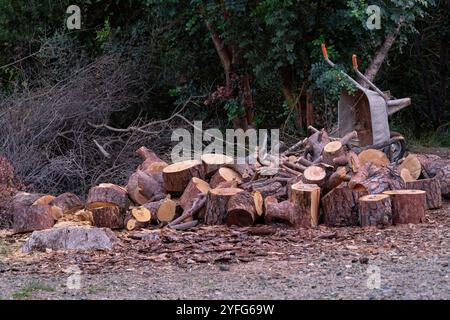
(434,166)
(315,144)
(375,210)
(132,224)
(152,163)
(285,211)
(224,175)
(24,199)
(143,187)
(107,194)
(406,175)
(307,198)
(196,210)
(163,211)
(340,206)
(332,150)
(267,189)
(336,178)
(432,187)
(44,200)
(259,203)
(32,218)
(194,188)
(178,175)
(378,180)
(412,164)
(377,157)
(314,175)
(212,162)
(241,210)
(141,214)
(408,206)
(68,203)
(107,217)
(216,204)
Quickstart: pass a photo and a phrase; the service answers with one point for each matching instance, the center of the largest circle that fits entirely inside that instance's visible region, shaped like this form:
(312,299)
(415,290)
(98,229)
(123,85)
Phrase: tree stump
(340,206)
(412,164)
(143,187)
(68,203)
(375,210)
(194,188)
(307,199)
(32,218)
(314,175)
(224,175)
(107,217)
(217,204)
(432,187)
(332,150)
(152,163)
(241,210)
(408,206)
(406,175)
(178,175)
(376,157)
(107,194)
(212,162)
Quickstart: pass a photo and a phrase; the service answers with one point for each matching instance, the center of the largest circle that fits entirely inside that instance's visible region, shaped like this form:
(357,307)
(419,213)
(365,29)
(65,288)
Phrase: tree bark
(306,197)
(33,218)
(432,187)
(107,194)
(241,210)
(408,206)
(217,204)
(108,217)
(375,210)
(68,203)
(195,187)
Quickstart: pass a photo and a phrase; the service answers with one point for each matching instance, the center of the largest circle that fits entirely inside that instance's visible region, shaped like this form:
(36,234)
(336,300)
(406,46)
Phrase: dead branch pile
(327,182)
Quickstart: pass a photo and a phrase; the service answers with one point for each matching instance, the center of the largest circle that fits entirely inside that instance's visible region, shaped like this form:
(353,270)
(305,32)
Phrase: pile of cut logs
(328,181)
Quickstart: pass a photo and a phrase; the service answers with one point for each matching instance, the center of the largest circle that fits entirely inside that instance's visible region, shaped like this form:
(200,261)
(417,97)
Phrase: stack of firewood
(328,181)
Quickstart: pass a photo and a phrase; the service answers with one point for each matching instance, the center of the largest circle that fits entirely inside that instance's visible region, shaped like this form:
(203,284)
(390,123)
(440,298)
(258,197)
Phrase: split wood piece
(378,180)
(432,187)
(406,175)
(84,215)
(331,151)
(132,224)
(412,164)
(68,203)
(408,206)
(285,211)
(44,200)
(307,199)
(33,218)
(224,175)
(212,162)
(241,210)
(314,175)
(434,166)
(353,161)
(216,204)
(195,187)
(377,157)
(375,210)
(144,187)
(107,217)
(152,163)
(340,206)
(107,194)
(178,175)
(163,211)
(361,174)
(259,202)
(197,206)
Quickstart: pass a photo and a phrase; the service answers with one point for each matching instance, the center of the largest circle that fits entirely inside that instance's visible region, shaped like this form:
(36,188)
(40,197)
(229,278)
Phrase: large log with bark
(340,206)
(432,187)
(375,210)
(68,203)
(143,187)
(435,166)
(241,210)
(224,175)
(178,175)
(212,162)
(217,204)
(108,217)
(408,206)
(152,163)
(33,217)
(331,151)
(195,187)
(307,199)
(375,180)
(107,194)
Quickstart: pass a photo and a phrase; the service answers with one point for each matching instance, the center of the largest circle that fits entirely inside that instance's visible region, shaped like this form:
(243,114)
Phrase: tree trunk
(375,210)
(212,162)
(108,217)
(379,180)
(178,175)
(195,187)
(241,210)
(107,194)
(32,218)
(217,204)
(143,187)
(340,206)
(432,187)
(224,175)
(408,206)
(307,199)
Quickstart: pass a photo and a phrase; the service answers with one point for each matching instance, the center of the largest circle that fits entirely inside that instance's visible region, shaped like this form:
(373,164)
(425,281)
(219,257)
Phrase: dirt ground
(265,262)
